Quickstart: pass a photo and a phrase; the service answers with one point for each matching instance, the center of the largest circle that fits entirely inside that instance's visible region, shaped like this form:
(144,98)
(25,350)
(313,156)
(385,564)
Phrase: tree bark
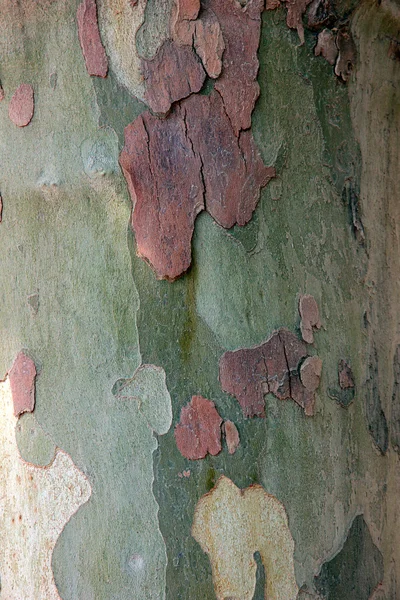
(200,361)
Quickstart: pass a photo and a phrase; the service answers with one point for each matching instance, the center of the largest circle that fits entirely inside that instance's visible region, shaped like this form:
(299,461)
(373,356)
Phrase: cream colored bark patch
(35,505)
(231,525)
(119,22)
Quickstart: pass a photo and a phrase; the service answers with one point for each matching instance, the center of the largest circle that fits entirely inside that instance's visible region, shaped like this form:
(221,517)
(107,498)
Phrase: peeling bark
(174,73)
(232,169)
(198,432)
(183,17)
(296,10)
(231,436)
(347,54)
(21,107)
(321,14)
(272,367)
(89,37)
(22,377)
(326,46)
(309,313)
(178,166)
(164,179)
(209,43)
(237,83)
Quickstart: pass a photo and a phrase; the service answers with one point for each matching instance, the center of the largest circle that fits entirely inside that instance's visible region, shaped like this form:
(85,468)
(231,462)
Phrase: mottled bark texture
(199,359)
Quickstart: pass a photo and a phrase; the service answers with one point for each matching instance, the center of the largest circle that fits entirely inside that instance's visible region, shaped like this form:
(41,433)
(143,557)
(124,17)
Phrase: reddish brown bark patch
(166,161)
(22,382)
(204,33)
(272,4)
(89,37)
(294,20)
(273,367)
(199,429)
(346,379)
(346,392)
(163,175)
(174,73)
(231,436)
(183,16)
(22,105)
(309,313)
(209,43)
(241,26)
(186,10)
(233,171)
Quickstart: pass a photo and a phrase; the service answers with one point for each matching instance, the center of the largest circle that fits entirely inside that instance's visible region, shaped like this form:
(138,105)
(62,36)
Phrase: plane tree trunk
(199,243)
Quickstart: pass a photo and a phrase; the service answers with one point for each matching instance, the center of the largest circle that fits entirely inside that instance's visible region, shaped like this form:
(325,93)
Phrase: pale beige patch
(35,505)
(231,525)
(119,22)
(231,436)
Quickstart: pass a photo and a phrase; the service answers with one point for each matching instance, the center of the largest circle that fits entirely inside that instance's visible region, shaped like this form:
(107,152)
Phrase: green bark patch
(356,570)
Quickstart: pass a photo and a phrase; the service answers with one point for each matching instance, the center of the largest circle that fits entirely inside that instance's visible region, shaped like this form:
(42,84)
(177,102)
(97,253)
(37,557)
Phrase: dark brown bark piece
(376,418)
(321,14)
(1,92)
(199,429)
(347,54)
(89,37)
(393,51)
(22,382)
(174,73)
(309,313)
(1,208)
(233,172)
(22,105)
(346,379)
(209,43)
(241,26)
(163,176)
(271,367)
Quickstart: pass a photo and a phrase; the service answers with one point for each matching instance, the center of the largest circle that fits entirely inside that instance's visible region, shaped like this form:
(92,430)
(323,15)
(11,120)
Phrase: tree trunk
(200,350)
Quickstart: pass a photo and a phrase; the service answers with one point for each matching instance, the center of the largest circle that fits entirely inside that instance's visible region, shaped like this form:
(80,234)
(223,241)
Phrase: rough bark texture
(101,497)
